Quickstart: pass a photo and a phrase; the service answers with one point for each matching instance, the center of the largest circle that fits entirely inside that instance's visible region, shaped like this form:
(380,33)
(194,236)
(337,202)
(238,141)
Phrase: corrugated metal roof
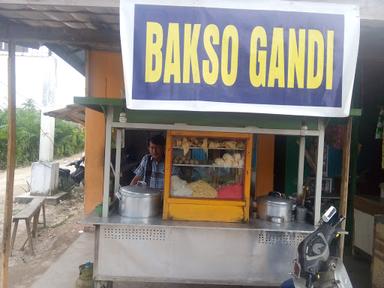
(80,26)
(74,113)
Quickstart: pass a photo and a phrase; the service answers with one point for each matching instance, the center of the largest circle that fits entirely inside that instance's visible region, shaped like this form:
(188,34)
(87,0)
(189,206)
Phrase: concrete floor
(64,272)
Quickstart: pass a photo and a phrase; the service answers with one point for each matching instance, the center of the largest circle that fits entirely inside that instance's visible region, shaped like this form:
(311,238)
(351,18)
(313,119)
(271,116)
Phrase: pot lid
(139,191)
(275,200)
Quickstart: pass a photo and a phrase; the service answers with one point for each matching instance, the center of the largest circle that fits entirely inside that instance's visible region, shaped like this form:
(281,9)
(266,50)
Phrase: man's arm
(140,171)
(135,179)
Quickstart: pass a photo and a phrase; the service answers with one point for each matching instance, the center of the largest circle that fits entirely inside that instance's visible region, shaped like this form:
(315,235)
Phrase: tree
(69,137)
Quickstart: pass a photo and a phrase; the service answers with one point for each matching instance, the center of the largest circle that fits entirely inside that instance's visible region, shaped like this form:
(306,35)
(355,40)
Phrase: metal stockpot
(274,208)
(139,201)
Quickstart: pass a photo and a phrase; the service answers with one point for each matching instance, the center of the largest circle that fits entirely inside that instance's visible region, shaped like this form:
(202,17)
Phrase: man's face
(156,151)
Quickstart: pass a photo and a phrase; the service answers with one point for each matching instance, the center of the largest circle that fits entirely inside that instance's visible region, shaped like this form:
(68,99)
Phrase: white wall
(31,70)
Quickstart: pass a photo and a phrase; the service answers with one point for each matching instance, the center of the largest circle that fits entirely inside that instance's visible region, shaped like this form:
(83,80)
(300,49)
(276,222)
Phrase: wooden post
(345,181)
(8,204)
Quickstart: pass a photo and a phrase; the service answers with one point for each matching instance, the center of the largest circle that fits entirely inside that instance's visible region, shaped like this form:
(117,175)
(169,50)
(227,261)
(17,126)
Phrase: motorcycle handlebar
(76,163)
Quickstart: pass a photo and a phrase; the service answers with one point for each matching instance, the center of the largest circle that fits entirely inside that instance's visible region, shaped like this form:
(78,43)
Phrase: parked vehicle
(67,179)
(315,267)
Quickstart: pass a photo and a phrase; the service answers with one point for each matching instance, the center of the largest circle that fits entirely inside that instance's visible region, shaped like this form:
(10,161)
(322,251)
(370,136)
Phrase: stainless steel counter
(153,250)
(255,224)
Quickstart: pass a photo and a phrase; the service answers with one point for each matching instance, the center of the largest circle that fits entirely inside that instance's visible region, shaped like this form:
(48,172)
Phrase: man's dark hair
(157,140)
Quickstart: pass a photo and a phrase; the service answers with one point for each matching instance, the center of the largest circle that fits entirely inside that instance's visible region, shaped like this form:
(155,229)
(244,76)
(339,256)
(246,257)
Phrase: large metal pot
(274,208)
(139,201)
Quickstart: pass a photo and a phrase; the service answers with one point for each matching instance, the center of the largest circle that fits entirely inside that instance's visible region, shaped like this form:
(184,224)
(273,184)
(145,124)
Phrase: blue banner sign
(235,58)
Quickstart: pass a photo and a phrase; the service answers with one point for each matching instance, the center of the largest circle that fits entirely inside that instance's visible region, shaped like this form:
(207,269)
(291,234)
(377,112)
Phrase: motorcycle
(67,179)
(315,267)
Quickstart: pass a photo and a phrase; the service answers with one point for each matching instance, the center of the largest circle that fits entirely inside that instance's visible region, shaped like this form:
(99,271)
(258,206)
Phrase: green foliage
(69,138)
(27,134)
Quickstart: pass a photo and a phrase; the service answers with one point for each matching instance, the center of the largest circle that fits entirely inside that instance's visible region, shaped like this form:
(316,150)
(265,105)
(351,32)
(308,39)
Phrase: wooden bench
(32,210)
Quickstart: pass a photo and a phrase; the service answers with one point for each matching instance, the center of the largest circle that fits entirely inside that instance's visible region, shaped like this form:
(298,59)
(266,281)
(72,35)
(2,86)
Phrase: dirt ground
(62,228)
(23,178)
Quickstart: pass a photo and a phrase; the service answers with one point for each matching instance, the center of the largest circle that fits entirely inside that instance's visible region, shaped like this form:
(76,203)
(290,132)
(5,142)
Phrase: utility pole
(47,123)
(11,161)
(45,172)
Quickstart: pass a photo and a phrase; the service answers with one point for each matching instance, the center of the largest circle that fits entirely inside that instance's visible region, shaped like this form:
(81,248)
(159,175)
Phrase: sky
(36,69)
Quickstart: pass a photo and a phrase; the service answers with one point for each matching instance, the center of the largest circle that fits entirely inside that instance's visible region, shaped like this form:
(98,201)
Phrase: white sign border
(351,43)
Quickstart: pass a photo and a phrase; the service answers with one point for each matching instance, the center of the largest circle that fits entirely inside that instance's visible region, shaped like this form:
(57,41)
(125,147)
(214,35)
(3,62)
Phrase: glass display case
(207,176)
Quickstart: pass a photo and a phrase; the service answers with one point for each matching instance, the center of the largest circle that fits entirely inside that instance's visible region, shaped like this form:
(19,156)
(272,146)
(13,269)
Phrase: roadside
(23,178)
(62,229)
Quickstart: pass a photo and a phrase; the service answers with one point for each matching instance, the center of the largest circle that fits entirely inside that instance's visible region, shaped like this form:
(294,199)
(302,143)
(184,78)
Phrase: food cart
(162,250)
(206,233)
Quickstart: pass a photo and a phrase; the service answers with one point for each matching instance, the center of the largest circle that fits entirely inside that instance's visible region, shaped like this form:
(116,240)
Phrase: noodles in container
(201,189)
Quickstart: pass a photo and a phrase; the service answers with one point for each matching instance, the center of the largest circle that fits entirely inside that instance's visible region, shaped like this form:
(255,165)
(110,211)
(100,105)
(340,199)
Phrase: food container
(139,201)
(274,208)
(301,214)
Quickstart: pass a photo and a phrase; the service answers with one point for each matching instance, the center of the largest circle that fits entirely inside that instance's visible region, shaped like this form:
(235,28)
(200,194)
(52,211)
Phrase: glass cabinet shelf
(220,148)
(206,166)
(207,176)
